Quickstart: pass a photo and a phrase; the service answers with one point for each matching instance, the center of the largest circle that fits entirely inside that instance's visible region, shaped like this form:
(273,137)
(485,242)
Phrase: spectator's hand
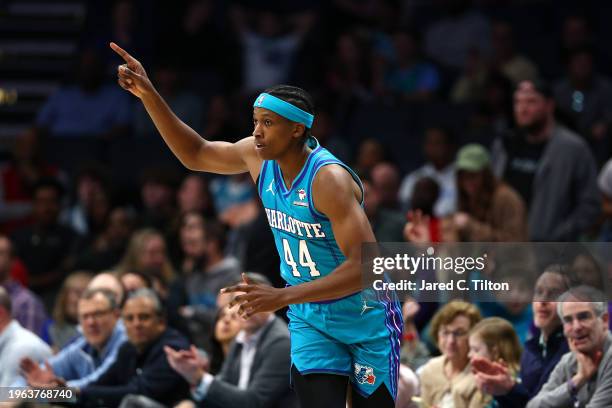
(492,377)
(587,367)
(461,220)
(256,298)
(407,386)
(410,308)
(35,375)
(132,76)
(416,229)
(188,363)
(486,366)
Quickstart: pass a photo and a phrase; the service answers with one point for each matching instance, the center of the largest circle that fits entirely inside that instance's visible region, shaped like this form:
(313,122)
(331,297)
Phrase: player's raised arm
(193,151)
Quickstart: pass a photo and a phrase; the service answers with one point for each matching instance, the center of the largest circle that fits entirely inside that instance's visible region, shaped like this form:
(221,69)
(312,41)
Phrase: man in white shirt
(16,343)
(439,151)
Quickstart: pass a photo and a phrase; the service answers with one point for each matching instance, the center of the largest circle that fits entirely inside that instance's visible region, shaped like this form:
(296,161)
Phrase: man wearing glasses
(84,360)
(141,368)
(583,377)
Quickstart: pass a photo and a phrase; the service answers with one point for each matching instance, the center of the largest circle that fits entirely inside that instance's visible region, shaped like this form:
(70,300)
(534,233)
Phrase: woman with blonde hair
(447,380)
(63,328)
(147,253)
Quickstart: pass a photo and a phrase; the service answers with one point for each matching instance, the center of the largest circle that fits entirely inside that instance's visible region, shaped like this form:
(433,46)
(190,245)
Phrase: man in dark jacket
(541,354)
(141,367)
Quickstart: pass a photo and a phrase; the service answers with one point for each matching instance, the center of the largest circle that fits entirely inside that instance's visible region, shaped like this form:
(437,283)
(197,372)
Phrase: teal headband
(283,108)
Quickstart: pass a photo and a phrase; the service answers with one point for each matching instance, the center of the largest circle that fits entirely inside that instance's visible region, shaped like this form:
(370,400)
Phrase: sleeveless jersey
(303,236)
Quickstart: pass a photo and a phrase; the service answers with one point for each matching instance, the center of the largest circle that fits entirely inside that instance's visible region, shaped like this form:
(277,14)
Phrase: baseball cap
(472,157)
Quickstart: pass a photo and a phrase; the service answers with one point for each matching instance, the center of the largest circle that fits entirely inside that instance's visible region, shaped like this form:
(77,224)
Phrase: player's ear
(298,130)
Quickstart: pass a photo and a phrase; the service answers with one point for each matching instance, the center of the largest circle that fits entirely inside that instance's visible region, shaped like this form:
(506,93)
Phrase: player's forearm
(343,281)
(184,142)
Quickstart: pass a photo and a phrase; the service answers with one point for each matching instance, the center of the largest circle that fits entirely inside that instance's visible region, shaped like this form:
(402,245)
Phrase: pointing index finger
(123,53)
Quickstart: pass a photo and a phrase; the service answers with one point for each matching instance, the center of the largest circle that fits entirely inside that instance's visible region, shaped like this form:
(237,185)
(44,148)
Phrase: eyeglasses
(96,315)
(456,333)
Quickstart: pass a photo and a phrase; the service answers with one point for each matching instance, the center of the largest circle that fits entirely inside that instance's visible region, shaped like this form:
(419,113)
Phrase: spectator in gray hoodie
(551,167)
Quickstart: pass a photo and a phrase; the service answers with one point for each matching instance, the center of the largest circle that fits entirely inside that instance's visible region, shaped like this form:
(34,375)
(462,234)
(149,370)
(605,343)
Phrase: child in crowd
(494,339)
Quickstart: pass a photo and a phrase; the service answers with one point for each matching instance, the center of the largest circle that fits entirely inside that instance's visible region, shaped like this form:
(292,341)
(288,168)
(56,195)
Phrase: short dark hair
(540,86)
(447,132)
(215,231)
(425,194)
(49,182)
(95,171)
(163,175)
(10,242)
(577,51)
(295,96)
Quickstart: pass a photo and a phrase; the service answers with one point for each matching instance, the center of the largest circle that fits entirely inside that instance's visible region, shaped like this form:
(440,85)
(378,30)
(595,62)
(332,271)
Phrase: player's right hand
(131,75)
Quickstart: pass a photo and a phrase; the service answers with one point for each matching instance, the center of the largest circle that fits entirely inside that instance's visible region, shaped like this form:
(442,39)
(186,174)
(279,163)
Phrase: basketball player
(314,206)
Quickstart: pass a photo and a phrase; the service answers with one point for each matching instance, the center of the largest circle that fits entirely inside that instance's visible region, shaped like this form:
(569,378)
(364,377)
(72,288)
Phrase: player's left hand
(255,298)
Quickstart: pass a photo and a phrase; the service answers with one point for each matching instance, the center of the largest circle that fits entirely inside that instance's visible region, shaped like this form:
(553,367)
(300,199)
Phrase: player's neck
(291,164)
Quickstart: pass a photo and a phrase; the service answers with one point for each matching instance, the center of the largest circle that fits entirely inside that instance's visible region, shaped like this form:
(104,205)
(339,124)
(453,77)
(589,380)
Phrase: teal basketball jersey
(303,236)
(348,336)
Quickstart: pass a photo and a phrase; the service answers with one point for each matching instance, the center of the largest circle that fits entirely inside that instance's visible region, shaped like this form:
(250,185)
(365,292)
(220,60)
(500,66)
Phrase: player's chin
(264,153)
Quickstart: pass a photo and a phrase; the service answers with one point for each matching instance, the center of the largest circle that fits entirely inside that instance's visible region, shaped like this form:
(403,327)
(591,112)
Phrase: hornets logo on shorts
(364,374)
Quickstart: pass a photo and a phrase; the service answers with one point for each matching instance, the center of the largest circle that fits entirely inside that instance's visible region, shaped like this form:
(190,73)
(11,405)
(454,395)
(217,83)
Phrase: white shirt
(247,355)
(15,344)
(446,179)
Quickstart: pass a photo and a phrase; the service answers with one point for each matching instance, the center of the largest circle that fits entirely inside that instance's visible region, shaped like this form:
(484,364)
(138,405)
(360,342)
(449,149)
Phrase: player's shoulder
(333,177)
(246,145)
(333,190)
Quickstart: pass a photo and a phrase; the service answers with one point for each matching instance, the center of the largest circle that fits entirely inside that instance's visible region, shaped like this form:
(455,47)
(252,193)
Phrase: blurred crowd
(467,121)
